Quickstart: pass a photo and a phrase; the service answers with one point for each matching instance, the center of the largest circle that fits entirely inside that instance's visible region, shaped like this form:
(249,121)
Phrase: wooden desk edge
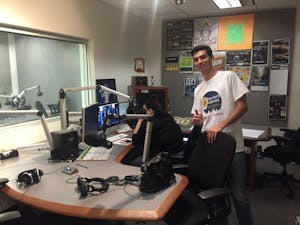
(100,213)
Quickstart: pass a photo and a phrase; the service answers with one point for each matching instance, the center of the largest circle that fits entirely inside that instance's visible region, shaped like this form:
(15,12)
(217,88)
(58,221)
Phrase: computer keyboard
(116,137)
(97,153)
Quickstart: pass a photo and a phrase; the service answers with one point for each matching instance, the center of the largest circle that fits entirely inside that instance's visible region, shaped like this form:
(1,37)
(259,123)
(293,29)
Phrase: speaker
(84,186)
(139,80)
(65,145)
(30,177)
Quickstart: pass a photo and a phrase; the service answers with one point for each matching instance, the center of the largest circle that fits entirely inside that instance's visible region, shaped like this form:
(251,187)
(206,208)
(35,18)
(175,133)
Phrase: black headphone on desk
(30,177)
(84,186)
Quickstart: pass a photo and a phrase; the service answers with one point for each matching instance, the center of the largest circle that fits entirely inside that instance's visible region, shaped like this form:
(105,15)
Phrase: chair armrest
(7,216)
(280,139)
(289,133)
(288,130)
(180,168)
(214,192)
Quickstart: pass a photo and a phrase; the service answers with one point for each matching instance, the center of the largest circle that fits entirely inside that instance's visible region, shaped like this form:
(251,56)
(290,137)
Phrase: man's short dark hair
(200,48)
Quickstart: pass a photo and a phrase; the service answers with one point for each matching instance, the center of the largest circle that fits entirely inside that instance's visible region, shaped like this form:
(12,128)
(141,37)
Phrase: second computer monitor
(94,116)
(108,115)
(103,96)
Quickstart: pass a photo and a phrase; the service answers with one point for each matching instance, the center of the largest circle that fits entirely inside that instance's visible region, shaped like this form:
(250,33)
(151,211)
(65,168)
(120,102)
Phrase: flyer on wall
(260,76)
(238,58)
(260,52)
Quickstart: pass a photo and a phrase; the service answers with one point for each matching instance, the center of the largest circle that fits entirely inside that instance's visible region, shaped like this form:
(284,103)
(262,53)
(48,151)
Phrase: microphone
(97,139)
(39,93)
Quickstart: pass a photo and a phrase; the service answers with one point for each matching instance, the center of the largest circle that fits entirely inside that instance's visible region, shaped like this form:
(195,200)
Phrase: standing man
(219,103)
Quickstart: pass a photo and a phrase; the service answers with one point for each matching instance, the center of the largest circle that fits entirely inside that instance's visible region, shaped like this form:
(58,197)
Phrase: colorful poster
(277,107)
(206,32)
(260,76)
(260,52)
(244,73)
(186,62)
(238,58)
(190,83)
(219,60)
(280,51)
(236,32)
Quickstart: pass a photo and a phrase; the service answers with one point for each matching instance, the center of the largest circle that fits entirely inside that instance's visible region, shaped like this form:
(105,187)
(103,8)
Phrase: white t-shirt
(215,99)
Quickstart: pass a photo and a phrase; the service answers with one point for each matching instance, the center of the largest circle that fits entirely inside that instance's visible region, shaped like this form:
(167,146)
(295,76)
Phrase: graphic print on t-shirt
(211,102)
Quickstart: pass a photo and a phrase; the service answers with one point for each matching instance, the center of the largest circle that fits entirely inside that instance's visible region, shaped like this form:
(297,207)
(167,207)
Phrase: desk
(54,194)
(251,142)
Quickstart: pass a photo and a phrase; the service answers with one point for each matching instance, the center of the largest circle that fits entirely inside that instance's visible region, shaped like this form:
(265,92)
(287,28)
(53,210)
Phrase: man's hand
(197,119)
(213,132)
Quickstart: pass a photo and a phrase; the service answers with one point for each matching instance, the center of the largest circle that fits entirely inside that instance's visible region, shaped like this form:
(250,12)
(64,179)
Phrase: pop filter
(97,139)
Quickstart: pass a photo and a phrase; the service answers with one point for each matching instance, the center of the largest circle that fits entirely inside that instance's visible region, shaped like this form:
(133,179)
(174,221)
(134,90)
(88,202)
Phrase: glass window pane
(34,69)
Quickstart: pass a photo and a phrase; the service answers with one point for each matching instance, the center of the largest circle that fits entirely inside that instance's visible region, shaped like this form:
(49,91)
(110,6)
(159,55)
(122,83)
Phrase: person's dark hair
(200,48)
(153,103)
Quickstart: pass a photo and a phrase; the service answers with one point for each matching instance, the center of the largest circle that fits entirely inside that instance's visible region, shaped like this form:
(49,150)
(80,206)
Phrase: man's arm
(239,109)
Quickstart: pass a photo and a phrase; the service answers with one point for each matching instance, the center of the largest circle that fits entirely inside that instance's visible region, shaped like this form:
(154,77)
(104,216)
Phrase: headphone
(84,186)
(30,177)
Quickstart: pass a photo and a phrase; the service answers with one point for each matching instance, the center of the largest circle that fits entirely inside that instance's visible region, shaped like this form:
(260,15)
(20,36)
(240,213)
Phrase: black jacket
(166,135)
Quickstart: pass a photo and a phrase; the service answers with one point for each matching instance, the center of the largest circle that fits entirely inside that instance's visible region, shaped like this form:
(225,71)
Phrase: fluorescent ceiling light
(224,4)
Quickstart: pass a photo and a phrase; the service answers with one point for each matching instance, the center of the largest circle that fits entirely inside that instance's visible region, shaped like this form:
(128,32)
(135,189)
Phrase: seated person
(166,134)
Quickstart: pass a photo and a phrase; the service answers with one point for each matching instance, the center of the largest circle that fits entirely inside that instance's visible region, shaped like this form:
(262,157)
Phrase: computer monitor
(104,96)
(93,117)
(111,110)
(90,119)
(123,106)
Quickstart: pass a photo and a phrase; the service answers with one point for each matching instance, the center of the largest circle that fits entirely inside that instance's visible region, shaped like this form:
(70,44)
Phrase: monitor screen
(90,119)
(123,106)
(104,96)
(108,110)
(93,117)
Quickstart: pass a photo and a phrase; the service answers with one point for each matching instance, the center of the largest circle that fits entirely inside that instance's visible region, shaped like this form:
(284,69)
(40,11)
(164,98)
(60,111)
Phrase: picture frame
(139,65)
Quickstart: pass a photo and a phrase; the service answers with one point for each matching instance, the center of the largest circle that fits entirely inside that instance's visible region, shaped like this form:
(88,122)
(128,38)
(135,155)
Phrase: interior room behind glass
(33,68)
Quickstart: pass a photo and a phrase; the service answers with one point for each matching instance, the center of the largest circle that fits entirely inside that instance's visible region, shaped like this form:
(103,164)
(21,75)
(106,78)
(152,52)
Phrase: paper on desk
(252,133)
(124,141)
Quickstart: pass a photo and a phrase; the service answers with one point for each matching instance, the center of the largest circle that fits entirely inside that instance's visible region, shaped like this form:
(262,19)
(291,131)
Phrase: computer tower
(143,93)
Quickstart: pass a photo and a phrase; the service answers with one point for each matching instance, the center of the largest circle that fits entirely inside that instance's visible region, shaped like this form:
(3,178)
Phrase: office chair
(205,200)
(188,146)
(9,217)
(286,150)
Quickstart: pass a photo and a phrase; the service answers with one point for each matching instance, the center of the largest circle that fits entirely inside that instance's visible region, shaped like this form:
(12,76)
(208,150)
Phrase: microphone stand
(63,113)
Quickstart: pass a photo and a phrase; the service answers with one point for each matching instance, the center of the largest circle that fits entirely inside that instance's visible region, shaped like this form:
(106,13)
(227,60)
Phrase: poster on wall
(278,82)
(236,32)
(238,58)
(185,62)
(260,76)
(179,35)
(244,73)
(218,61)
(260,52)
(206,32)
(280,51)
(277,107)
(190,83)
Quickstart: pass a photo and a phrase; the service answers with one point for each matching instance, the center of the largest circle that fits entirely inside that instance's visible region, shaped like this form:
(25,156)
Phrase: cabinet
(143,93)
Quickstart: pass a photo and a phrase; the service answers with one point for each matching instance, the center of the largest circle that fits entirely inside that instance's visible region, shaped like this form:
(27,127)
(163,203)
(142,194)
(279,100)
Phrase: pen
(82,165)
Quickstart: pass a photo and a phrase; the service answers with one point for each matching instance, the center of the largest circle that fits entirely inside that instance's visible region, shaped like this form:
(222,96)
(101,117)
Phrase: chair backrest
(209,164)
(191,143)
